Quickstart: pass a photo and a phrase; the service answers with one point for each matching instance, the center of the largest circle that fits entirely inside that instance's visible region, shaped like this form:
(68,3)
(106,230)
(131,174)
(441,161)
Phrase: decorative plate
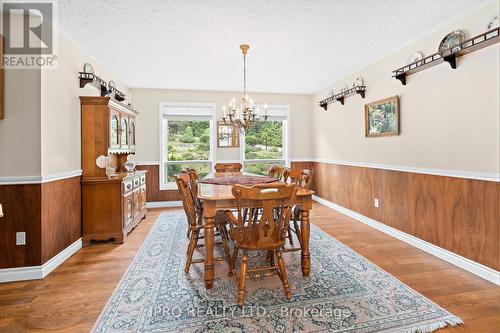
(87,68)
(493,23)
(415,57)
(452,39)
(111,84)
(101,161)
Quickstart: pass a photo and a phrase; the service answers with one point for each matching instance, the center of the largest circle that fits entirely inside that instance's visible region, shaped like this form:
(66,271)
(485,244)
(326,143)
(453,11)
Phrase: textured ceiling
(297,46)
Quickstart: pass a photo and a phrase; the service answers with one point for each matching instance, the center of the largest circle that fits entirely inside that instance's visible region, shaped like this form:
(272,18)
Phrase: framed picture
(382,117)
(228,136)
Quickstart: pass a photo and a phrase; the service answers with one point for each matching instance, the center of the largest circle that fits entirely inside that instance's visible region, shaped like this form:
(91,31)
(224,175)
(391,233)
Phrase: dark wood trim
(94,100)
(459,215)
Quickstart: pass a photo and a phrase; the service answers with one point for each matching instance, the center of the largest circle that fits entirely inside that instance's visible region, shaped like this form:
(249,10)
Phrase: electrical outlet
(376,203)
(20,238)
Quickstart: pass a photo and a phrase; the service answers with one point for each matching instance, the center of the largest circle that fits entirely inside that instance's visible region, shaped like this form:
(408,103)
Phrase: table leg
(209,214)
(305,231)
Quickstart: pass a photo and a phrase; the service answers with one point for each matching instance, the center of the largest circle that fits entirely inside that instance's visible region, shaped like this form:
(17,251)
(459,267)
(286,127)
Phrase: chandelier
(245,115)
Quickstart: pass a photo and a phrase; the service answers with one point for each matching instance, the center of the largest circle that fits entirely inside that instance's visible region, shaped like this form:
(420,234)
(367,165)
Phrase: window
(266,143)
(186,140)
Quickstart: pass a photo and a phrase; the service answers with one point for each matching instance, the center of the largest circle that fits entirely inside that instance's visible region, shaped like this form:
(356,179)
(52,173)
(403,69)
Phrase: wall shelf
(116,94)
(99,84)
(94,80)
(340,97)
(450,55)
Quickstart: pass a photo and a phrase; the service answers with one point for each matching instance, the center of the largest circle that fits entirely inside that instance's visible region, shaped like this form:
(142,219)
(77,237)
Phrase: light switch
(376,203)
(20,238)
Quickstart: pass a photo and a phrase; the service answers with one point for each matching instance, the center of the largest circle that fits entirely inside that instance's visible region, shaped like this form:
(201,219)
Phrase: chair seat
(251,240)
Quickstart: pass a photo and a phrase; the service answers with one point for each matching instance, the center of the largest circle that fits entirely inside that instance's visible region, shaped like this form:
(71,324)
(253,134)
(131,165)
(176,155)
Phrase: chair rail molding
(477,175)
(453,258)
(147,163)
(19,180)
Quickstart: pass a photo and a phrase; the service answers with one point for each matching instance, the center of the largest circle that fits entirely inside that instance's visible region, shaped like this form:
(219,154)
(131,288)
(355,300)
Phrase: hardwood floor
(71,297)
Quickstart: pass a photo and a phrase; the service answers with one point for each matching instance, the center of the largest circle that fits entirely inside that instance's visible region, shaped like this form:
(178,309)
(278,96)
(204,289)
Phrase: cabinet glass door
(114,126)
(124,133)
(132,133)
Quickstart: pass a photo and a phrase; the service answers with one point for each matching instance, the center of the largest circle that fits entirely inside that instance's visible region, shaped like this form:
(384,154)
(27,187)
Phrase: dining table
(217,197)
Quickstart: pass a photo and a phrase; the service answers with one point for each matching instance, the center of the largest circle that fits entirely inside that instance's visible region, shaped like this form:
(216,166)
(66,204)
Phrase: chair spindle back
(274,203)
(301,177)
(277,171)
(228,167)
(188,203)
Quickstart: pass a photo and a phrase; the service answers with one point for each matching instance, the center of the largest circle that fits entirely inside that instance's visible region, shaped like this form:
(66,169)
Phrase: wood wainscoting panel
(61,216)
(22,212)
(457,214)
(394,188)
(153,185)
(483,232)
(364,188)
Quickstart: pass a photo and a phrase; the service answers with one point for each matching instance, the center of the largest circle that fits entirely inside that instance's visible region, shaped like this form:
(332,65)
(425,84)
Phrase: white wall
(20,129)
(147,101)
(60,104)
(449,118)
(40,134)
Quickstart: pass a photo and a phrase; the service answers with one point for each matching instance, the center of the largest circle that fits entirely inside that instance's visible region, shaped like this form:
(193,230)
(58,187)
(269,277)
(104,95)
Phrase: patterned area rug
(344,293)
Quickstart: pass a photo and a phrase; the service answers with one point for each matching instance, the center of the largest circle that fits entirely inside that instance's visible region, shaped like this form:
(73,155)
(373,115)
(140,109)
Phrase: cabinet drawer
(128,185)
(137,182)
(143,179)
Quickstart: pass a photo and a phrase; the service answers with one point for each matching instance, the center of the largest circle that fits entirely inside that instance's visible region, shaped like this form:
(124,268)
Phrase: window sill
(168,187)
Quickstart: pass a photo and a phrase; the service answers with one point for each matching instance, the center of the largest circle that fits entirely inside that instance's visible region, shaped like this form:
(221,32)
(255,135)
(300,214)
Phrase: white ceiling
(297,46)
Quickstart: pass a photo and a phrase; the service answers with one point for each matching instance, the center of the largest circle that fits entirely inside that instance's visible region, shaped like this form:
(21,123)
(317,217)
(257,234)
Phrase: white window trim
(174,109)
(282,111)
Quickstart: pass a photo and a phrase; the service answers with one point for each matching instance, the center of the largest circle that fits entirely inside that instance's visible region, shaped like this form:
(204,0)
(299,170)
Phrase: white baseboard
(39,272)
(453,258)
(163,204)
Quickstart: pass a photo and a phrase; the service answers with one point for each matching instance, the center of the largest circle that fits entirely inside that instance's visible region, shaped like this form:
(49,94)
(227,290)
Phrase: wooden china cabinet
(113,200)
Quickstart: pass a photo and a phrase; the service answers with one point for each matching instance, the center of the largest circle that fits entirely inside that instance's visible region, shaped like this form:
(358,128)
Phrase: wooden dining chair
(228,167)
(195,222)
(257,229)
(193,187)
(277,171)
(300,177)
